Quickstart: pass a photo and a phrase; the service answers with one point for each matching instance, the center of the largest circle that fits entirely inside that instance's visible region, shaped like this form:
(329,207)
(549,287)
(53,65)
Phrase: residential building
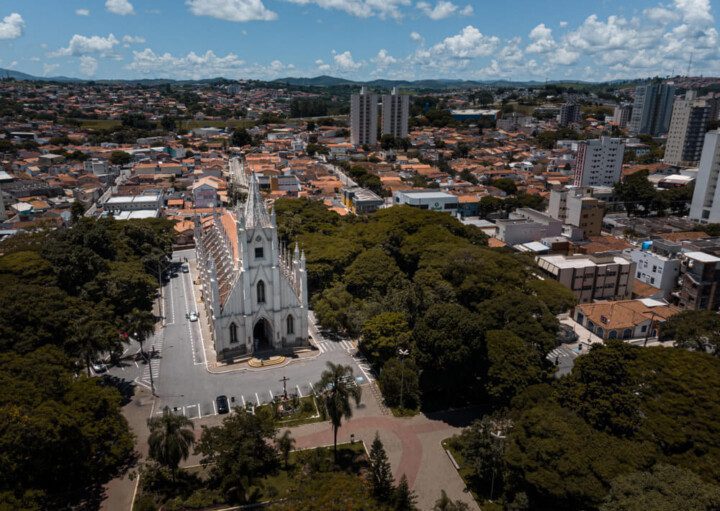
(569,114)
(427,199)
(525,225)
(361,200)
(656,270)
(622,114)
(688,126)
(96,166)
(599,162)
(254,291)
(699,282)
(363,118)
(205,195)
(652,109)
(395,114)
(624,319)
(578,207)
(133,203)
(591,277)
(705,206)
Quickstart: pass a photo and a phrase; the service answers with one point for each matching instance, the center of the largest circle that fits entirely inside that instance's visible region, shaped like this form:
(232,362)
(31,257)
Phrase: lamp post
(402,353)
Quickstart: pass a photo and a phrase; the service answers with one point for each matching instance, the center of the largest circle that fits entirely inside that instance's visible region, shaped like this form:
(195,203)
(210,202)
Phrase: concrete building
(96,167)
(591,277)
(705,206)
(599,162)
(395,113)
(688,126)
(699,282)
(427,199)
(254,291)
(622,114)
(525,225)
(474,114)
(361,200)
(652,109)
(363,118)
(133,203)
(569,114)
(656,270)
(579,208)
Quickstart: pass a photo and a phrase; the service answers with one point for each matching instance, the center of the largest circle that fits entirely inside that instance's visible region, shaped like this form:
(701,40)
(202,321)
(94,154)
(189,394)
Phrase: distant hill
(331,81)
(18,75)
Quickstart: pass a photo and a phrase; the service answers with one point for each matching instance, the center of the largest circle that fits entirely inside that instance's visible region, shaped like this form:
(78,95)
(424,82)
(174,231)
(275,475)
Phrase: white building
(688,126)
(395,113)
(427,199)
(652,109)
(255,292)
(133,203)
(363,118)
(97,167)
(525,225)
(656,270)
(705,206)
(599,162)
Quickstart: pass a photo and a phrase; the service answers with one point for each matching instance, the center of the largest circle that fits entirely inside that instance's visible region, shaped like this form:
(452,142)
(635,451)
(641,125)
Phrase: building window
(233,333)
(261,292)
(290,325)
(258,252)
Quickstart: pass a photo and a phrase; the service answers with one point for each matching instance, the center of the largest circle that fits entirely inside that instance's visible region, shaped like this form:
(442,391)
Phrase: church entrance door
(262,335)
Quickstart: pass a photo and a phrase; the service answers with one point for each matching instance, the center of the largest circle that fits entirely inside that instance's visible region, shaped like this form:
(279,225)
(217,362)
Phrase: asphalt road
(182,379)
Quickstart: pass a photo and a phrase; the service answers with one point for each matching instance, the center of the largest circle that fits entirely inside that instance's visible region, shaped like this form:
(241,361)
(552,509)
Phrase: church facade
(255,292)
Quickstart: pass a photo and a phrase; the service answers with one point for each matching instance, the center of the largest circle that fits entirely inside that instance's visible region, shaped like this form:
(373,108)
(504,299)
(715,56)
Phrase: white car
(193,316)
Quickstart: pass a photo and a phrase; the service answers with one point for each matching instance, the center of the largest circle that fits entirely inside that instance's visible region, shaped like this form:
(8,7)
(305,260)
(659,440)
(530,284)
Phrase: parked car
(98,367)
(222,404)
(185,268)
(193,316)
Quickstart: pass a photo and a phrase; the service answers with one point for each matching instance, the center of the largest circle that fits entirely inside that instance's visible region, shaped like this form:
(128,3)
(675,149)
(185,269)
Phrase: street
(183,379)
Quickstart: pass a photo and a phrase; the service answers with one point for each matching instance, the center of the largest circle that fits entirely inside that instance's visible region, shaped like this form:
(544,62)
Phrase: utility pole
(284,381)
(402,354)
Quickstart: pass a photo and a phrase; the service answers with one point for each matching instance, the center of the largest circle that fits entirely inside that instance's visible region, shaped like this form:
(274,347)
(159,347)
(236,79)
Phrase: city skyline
(358,39)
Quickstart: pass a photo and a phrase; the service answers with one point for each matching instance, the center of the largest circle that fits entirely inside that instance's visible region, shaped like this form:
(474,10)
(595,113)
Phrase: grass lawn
(404,412)
(306,413)
(98,124)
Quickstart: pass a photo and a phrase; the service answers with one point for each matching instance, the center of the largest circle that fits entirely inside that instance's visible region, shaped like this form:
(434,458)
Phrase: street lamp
(402,354)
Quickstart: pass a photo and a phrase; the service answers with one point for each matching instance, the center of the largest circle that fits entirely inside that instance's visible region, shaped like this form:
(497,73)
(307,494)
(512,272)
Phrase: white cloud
(416,37)
(12,26)
(443,9)
(49,69)
(121,7)
(661,14)
(321,65)
(542,40)
(695,11)
(82,12)
(362,8)
(469,43)
(232,10)
(133,39)
(192,65)
(384,59)
(83,45)
(88,65)
(345,61)
(563,24)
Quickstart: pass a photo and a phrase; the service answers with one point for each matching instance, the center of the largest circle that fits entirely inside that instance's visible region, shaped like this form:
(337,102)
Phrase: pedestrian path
(561,352)
(325,346)
(153,348)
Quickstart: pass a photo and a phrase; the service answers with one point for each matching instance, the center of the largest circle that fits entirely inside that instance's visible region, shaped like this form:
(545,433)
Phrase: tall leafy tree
(697,330)
(445,503)
(337,389)
(285,444)
(170,440)
(383,334)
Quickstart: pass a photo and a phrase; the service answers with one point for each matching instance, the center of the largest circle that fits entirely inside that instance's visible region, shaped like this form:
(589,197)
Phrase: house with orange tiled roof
(624,319)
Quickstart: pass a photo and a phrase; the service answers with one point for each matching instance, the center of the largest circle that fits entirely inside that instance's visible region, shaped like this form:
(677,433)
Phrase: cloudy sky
(360,39)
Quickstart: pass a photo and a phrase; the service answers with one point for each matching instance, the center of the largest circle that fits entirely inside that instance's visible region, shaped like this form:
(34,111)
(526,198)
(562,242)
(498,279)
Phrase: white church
(255,292)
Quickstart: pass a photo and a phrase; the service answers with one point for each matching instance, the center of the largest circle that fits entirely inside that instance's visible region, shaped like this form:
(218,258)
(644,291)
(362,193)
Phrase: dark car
(222,404)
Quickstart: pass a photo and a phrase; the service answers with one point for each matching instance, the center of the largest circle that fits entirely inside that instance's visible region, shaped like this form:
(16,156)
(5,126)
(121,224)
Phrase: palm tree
(285,444)
(171,437)
(337,386)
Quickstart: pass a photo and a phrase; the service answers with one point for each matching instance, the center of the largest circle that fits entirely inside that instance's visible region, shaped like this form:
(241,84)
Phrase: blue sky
(360,39)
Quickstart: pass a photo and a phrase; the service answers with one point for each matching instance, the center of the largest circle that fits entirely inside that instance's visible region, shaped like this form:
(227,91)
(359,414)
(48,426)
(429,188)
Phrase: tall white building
(254,291)
(621,115)
(363,118)
(599,162)
(395,113)
(687,130)
(652,109)
(705,206)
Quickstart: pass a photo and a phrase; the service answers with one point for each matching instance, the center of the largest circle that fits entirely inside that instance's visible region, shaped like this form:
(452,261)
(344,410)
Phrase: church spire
(255,213)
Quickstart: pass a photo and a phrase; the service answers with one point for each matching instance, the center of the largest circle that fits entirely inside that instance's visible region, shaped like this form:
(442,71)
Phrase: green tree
(404,499)
(120,158)
(241,137)
(140,324)
(337,388)
(636,193)
(696,330)
(383,334)
(663,488)
(483,452)
(332,491)
(512,366)
(168,123)
(77,210)
(284,444)
(239,451)
(381,477)
(445,503)
(396,375)
(505,184)
(170,440)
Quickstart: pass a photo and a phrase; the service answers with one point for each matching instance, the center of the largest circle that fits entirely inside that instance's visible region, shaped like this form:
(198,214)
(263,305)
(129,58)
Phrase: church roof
(255,213)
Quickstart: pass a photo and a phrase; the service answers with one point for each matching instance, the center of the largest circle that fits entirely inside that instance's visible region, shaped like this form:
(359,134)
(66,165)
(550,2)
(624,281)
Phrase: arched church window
(233,333)
(290,325)
(261,292)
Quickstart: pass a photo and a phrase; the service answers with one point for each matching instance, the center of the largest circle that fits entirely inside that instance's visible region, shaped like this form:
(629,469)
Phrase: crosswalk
(325,346)
(153,345)
(561,352)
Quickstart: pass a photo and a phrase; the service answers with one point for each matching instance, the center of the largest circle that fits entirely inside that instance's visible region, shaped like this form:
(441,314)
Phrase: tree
(405,499)
(241,137)
(285,444)
(90,333)
(239,451)
(512,367)
(662,488)
(120,158)
(338,387)
(505,184)
(168,123)
(170,440)
(140,324)
(636,193)
(383,334)
(77,210)
(397,374)
(336,491)
(484,454)
(697,330)
(445,503)
(380,471)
